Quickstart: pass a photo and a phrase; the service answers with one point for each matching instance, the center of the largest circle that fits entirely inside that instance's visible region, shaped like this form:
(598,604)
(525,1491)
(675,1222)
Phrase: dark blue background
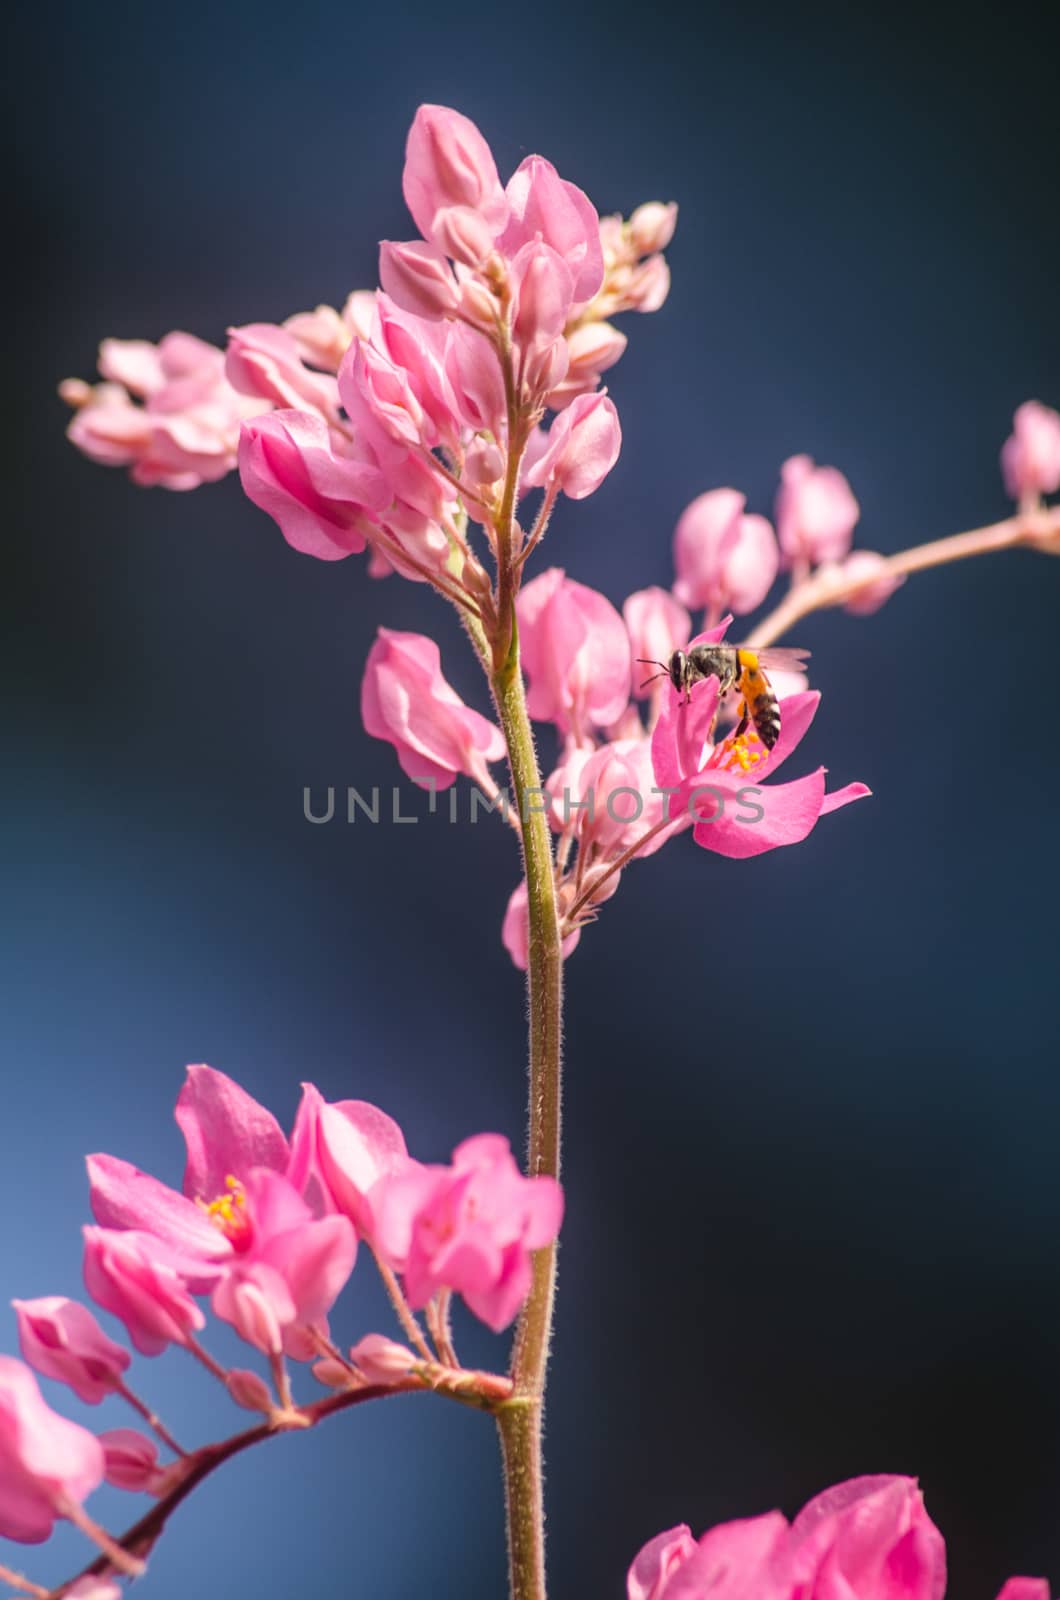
(812,1099)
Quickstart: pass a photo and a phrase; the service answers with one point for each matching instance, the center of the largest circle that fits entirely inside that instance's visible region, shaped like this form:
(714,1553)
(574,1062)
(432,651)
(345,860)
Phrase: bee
(735,668)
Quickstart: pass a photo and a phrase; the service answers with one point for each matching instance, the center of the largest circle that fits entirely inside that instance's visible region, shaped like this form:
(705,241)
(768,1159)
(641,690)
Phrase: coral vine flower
(815,511)
(1030,456)
(343,1149)
(725,559)
(469,1227)
(47,1464)
(722,783)
(406,700)
(575,651)
(657,625)
(185,432)
(63,1340)
(583,446)
(140,1281)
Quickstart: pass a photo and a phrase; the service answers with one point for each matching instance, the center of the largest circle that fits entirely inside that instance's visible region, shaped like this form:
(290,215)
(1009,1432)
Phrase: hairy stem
(520,1421)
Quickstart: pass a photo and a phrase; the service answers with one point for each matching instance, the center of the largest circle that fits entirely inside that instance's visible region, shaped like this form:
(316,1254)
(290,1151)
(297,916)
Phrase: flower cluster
(266,1230)
(868,1539)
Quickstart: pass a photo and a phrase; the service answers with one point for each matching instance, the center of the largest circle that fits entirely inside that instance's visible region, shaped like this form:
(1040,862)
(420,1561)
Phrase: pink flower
(47,1464)
(515,929)
(592,348)
(546,206)
(725,560)
(575,651)
(131,1461)
(141,1282)
(815,511)
(265,361)
(721,785)
(1030,456)
(583,445)
(406,700)
(291,1270)
(735,1561)
(651,227)
(1025,1589)
(63,1340)
(383,1360)
(470,1227)
(658,624)
(345,1148)
(872,1538)
(542,292)
(186,431)
(324,500)
(418,278)
(448,163)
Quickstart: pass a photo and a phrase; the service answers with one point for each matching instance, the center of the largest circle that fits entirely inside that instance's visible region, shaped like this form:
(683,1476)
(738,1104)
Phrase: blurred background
(813,1220)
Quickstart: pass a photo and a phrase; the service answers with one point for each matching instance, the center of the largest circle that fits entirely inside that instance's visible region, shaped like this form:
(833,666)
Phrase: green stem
(520,1419)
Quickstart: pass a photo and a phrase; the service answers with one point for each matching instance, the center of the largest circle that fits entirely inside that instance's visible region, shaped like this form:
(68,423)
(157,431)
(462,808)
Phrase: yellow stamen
(739,753)
(228,1212)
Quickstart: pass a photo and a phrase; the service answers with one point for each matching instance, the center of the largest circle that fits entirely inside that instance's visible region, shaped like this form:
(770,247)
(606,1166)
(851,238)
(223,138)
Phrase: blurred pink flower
(382,1360)
(141,1281)
(185,432)
(469,1227)
(725,558)
(406,701)
(47,1464)
(62,1339)
(131,1461)
(658,624)
(816,512)
(864,567)
(515,929)
(1030,456)
(575,651)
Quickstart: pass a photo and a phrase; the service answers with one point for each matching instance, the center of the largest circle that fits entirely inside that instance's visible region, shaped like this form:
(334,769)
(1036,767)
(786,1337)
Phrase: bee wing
(782,659)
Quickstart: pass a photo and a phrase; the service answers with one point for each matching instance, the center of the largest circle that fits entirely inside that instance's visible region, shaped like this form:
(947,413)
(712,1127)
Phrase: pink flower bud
(418,278)
(477,302)
(476,379)
(406,700)
(131,1460)
(658,624)
(382,1360)
(1030,457)
(483,464)
(129,1274)
(449,163)
(464,234)
(264,360)
(544,205)
(249,1390)
(515,930)
(725,560)
(862,566)
(651,227)
(545,369)
(256,1301)
(322,501)
(591,349)
(44,1459)
(575,651)
(63,1340)
(321,336)
(648,285)
(815,511)
(1025,1589)
(583,446)
(543,290)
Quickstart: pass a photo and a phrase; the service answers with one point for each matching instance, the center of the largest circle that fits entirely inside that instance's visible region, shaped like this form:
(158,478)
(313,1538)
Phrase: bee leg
(745,718)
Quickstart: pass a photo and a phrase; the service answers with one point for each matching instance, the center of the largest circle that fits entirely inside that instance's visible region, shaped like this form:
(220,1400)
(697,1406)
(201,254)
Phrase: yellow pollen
(228,1212)
(740,754)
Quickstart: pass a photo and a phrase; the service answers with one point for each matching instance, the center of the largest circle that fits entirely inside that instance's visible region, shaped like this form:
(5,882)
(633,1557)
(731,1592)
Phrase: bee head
(677,667)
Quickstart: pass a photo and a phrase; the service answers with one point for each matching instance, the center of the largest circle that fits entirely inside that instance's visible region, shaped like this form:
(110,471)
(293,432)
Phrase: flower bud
(417,277)
(463,234)
(651,227)
(249,1390)
(1030,457)
(63,1340)
(815,511)
(130,1460)
(543,291)
(448,163)
(382,1360)
(406,700)
(583,446)
(648,285)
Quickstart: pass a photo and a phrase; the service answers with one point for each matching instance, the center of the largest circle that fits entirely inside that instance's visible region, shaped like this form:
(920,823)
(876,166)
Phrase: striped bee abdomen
(765,714)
